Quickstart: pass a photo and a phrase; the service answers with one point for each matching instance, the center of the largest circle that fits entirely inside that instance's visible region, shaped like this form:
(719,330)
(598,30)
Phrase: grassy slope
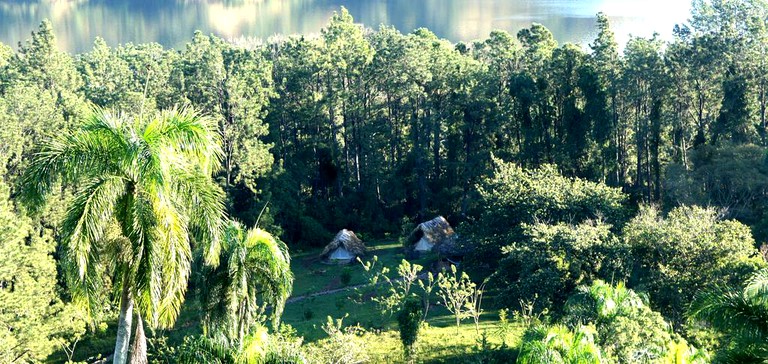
(439,341)
(438,344)
(312,276)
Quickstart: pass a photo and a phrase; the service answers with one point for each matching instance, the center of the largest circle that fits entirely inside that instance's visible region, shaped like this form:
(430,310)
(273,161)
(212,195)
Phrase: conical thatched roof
(435,233)
(344,239)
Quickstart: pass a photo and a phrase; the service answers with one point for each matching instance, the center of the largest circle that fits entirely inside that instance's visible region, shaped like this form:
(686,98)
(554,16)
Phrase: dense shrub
(408,323)
(514,198)
(627,328)
(683,253)
(282,347)
(346,276)
(552,260)
(558,344)
(344,345)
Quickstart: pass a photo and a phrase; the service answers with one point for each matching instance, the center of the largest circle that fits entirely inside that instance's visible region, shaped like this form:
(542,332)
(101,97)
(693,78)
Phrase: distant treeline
(373,130)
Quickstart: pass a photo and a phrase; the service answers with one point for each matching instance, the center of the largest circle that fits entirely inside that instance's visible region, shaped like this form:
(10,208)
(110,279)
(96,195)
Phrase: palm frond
(82,229)
(269,258)
(175,253)
(187,133)
(254,271)
(538,352)
(68,158)
(83,223)
(734,313)
(560,345)
(205,350)
(757,286)
(142,232)
(205,207)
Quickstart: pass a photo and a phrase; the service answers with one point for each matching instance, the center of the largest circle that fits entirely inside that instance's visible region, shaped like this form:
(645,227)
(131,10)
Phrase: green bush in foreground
(408,322)
(344,345)
(628,330)
(685,252)
(552,260)
(558,344)
(604,323)
(740,316)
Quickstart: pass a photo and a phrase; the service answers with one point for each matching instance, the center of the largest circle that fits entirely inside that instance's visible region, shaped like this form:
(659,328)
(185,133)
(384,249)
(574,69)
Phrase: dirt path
(323,293)
(342,289)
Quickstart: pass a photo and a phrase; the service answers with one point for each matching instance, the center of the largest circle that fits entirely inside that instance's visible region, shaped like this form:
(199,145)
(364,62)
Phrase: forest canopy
(138,174)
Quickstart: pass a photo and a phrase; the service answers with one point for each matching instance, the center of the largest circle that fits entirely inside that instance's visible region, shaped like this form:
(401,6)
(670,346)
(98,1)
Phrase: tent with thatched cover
(344,248)
(435,233)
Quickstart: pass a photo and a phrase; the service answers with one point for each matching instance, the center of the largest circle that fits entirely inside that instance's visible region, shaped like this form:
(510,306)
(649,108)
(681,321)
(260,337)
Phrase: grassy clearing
(438,344)
(439,340)
(312,276)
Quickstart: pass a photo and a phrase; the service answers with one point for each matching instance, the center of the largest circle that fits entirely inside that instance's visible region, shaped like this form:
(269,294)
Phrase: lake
(172,22)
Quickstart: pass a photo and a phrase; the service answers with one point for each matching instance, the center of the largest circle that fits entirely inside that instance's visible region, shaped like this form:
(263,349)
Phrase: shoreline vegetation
(503,200)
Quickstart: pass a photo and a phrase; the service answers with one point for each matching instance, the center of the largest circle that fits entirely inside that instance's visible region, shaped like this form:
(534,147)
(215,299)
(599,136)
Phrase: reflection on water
(172,22)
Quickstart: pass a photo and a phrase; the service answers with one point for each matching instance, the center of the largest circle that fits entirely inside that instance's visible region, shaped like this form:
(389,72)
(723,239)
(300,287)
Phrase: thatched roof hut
(433,234)
(344,248)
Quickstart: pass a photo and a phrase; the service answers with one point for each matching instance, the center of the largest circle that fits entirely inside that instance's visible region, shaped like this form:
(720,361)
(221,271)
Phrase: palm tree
(255,267)
(149,177)
(601,302)
(614,309)
(741,315)
(559,345)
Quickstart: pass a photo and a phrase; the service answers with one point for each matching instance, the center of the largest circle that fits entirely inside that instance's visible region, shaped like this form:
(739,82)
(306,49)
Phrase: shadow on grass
(100,344)
(489,356)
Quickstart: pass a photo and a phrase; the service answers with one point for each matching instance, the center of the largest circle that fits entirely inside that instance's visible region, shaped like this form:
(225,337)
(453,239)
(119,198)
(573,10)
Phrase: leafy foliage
(253,272)
(516,199)
(34,320)
(552,260)
(682,254)
(559,345)
(390,294)
(408,322)
(734,177)
(344,345)
(457,292)
(740,315)
(628,331)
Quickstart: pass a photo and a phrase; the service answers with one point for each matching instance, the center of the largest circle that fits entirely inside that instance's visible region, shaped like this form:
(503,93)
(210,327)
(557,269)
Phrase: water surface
(172,22)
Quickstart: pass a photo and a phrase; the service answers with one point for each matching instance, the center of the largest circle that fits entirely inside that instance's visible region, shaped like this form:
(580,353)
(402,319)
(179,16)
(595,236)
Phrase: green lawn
(439,341)
(313,276)
(439,344)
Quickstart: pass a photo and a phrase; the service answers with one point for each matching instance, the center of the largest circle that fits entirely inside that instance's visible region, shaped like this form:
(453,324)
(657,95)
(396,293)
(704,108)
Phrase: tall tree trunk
(124,326)
(139,347)
(436,125)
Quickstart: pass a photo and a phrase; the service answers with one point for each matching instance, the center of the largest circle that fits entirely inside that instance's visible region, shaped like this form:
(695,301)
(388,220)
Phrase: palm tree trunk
(139,347)
(123,327)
